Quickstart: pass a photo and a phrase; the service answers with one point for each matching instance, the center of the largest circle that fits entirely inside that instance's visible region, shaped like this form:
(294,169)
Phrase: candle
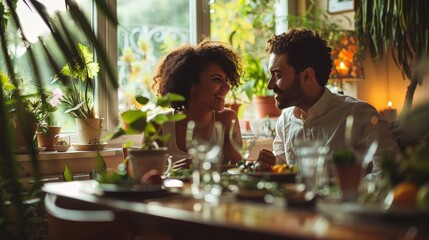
(389,113)
(343,69)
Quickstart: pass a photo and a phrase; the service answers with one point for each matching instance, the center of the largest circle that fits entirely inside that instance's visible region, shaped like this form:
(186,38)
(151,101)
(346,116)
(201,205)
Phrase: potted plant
(34,106)
(143,120)
(256,86)
(250,26)
(48,128)
(77,78)
(348,172)
(22,215)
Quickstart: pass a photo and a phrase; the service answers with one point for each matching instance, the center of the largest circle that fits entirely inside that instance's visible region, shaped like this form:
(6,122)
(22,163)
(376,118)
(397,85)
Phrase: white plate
(88,147)
(144,190)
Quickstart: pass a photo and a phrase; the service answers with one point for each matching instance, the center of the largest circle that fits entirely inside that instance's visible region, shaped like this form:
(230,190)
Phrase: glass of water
(205,147)
(312,171)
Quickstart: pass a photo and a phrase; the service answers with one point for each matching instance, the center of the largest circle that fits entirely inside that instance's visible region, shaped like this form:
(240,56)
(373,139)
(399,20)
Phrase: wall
(383,79)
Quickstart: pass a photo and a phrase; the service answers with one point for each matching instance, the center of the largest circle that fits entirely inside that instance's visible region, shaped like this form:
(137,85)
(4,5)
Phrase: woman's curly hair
(304,48)
(179,70)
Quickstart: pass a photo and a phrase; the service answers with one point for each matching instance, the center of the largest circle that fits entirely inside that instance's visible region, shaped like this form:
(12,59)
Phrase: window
(33,28)
(147,30)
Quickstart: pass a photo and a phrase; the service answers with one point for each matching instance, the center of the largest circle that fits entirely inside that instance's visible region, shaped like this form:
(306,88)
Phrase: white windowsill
(71,154)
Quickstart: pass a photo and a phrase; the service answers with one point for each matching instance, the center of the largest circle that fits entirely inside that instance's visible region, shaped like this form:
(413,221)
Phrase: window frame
(106,100)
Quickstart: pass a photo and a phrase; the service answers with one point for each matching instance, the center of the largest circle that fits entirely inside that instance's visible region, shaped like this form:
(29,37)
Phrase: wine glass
(205,147)
(243,145)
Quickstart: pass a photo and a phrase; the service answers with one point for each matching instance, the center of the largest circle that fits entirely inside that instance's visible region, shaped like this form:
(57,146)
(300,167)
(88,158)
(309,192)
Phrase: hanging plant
(401,27)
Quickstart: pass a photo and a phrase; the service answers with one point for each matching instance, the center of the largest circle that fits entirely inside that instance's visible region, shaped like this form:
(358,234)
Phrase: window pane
(147,30)
(33,28)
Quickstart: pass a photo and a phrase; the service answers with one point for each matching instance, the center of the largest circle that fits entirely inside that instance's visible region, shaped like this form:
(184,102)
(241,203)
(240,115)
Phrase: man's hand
(267,157)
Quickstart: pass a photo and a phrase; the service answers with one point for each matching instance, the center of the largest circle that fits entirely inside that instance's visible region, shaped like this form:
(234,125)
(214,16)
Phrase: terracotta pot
(21,138)
(89,130)
(266,106)
(142,161)
(233,106)
(47,139)
(348,178)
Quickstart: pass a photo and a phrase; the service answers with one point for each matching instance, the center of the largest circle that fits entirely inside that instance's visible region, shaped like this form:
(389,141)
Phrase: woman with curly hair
(203,74)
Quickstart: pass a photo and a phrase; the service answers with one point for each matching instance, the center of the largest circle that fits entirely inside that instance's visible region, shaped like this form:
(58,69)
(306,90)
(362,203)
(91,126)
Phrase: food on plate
(284,168)
(404,194)
(253,166)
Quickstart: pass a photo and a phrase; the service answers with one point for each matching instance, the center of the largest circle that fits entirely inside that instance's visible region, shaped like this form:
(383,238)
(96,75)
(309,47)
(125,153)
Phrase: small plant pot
(142,161)
(47,139)
(62,148)
(349,178)
(89,130)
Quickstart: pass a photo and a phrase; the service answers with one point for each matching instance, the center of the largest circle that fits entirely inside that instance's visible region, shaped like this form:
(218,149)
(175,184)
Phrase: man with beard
(300,64)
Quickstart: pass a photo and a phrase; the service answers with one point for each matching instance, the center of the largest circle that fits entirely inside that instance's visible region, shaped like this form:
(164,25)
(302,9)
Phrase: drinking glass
(206,151)
(312,170)
(245,145)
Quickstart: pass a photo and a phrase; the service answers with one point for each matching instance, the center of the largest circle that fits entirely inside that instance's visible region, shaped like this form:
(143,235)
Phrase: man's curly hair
(179,70)
(304,48)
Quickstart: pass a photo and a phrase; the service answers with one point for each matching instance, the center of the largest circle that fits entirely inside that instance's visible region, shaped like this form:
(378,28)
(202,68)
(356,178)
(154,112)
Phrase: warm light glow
(389,104)
(343,69)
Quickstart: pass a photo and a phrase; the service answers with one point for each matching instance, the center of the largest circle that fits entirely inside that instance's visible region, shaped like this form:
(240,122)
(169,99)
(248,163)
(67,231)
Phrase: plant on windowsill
(48,128)
(34,104)
(22,213)
(77,79)
(147,120)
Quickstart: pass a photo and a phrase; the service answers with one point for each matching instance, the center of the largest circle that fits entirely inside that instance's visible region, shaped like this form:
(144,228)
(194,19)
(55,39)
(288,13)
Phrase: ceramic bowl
(62,148)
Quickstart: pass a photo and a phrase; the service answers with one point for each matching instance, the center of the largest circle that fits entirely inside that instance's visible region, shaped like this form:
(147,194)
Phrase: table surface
(182,216)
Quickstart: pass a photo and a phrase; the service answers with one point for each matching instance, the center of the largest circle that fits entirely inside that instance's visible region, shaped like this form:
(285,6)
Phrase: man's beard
(291,96)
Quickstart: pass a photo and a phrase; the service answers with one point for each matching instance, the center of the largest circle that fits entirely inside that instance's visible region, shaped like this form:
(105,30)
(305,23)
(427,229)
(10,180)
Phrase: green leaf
(344,157)
(68,174)
(176,117)
(74,108)
(174,97)
(142,99)
(160,119)
(101,165)
(114,135)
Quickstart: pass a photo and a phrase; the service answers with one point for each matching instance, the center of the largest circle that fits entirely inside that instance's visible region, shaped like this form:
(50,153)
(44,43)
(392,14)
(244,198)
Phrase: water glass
(243,145)
(312,170)
(206,152)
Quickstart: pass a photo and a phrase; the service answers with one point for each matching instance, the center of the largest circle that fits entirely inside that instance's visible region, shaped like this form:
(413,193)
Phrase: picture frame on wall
(337,6)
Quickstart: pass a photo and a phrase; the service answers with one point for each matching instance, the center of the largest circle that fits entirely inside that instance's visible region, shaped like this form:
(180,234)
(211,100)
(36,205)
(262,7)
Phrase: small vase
(89,130)
(349,179)
(47,139)
(142,161)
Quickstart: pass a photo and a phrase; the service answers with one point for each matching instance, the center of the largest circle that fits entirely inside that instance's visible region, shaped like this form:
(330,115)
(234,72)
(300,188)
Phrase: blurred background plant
(22,213)
(248,29)
(37,106)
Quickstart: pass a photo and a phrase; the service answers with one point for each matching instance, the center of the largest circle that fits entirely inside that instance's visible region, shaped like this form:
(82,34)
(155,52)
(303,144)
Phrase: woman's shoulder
(226,115)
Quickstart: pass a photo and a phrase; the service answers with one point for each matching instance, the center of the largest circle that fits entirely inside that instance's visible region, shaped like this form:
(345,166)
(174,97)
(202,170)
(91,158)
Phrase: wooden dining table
(176,214)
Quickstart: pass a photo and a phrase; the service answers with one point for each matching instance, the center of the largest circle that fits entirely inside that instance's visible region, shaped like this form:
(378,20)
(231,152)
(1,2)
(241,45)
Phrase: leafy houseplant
(401,26)
(148,156)
(250,26)
(78,80)
(77,77)
(20,218)
(137,121)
